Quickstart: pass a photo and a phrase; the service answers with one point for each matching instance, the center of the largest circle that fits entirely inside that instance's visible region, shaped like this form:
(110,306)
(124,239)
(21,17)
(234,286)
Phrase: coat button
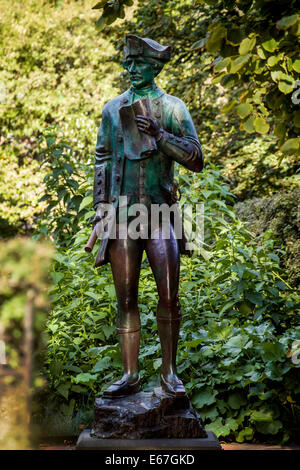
(99,181)
(118,178)
(157,115)
(120,138)
(125,100)
(113,198)
(156,102)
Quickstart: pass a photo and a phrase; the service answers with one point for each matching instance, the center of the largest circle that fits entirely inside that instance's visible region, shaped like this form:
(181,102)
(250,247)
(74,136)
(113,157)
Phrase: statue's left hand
(148,125)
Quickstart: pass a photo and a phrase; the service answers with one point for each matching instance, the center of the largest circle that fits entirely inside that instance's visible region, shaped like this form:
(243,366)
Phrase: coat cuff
(185,150)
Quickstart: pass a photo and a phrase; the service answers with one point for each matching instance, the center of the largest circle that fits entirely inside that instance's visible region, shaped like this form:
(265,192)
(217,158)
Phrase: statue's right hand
(101,211)
(96,219)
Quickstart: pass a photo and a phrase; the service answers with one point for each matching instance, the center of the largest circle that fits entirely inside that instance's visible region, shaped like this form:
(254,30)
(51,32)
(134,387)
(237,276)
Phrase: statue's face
(140,71)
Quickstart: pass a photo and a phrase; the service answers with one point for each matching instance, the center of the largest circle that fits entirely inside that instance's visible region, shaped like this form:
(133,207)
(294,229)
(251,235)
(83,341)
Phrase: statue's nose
(132,67)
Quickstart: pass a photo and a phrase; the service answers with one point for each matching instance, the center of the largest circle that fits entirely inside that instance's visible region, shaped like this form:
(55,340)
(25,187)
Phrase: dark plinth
(87,442)
(152,420)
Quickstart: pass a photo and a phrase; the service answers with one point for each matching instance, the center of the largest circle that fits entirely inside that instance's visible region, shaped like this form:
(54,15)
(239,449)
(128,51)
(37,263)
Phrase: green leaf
(265,415)
(64,390)
(85,377)
(246,433)
(245,308)
(297,118)
(199,44)
(273,351)
(235,344)
(286,83)
(102,364)
(247,45)
(274,257)
(273,60)
(236,400)
(280,130)
(111,291)
(93,295)
(296,65)
(193,343)
(248,125)
(226,307)
(210,412)
(204,397)
(221,428)
(244,109)
(239,269)
(101,23)
(228,107)
(269,427)
(229,80)
(261,53)
(57,277)
(270,45)
(290,145)
(234,36)
(261,125)
(254,297)
(239,62)
(214,41)
(287,21)
(222,64)
(276,75)
(100,5)
(87,201)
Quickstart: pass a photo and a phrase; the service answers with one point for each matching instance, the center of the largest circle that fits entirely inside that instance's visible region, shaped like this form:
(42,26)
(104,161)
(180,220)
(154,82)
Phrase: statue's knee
(169,308)
(128,314)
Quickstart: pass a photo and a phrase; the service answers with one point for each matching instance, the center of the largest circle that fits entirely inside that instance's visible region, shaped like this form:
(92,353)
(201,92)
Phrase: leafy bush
(280,214)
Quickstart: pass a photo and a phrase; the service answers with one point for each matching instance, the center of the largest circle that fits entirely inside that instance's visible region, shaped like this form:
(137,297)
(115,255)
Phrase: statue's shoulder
(174,103)
(115,103)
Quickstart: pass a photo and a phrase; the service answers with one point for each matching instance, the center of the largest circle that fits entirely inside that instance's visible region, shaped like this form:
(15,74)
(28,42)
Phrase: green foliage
(24,268)
(66,183)
(240,94)
(239,323)
(280,214)
(20,190)
(54,70)
(111,11)
(256,43)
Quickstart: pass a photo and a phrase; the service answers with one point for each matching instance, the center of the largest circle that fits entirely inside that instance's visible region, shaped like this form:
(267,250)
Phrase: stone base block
(87,442)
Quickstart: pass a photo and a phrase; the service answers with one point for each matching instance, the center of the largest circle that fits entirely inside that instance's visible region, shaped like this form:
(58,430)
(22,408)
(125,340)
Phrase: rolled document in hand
(137,145)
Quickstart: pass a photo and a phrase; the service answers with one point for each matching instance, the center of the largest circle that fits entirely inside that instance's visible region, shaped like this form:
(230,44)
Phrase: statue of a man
(135,157)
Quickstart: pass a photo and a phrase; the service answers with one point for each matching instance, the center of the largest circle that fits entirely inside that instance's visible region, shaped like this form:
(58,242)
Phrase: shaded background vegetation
(234,64)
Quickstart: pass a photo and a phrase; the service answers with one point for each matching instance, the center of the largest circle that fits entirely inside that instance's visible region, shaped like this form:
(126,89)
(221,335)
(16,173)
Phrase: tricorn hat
(147,48)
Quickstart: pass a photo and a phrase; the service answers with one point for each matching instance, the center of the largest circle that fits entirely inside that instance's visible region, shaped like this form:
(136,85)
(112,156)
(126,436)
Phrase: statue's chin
(139,84)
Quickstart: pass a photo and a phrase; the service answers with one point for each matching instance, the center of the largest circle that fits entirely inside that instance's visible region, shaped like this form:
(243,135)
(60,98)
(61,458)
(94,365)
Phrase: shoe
(122,388)
(174,387)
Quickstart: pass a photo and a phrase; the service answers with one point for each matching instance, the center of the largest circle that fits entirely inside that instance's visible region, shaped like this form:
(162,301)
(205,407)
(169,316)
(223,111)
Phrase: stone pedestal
(144,420)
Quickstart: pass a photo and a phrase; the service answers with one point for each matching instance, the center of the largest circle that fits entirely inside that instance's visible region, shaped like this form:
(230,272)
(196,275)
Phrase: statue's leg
(125,258)
(163,255)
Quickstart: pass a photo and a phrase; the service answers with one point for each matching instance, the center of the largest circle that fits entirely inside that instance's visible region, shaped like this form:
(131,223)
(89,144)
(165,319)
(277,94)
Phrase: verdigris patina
(142,133)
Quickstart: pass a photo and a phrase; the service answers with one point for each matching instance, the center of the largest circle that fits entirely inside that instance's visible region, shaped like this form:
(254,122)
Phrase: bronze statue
(142,133)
